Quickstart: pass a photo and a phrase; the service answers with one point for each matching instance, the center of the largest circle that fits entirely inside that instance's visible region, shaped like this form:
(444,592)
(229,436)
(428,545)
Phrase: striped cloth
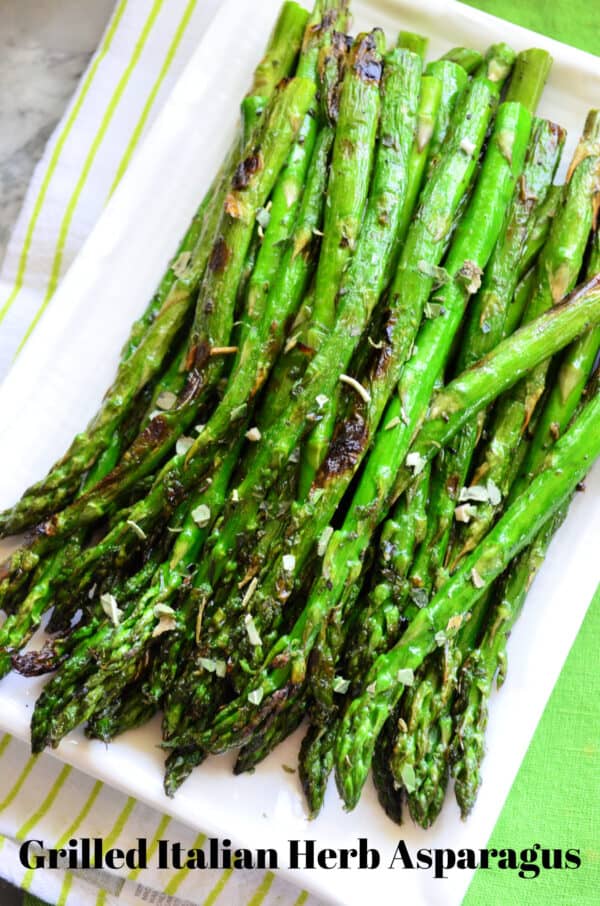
(48,801)
(143,50)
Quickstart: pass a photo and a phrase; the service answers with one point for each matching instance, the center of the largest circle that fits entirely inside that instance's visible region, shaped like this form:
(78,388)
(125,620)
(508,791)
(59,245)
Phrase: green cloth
(555,799)
(574,22)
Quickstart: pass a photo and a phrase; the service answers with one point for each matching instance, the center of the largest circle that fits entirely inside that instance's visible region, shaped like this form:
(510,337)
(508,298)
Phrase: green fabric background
(575,22)
(555,799)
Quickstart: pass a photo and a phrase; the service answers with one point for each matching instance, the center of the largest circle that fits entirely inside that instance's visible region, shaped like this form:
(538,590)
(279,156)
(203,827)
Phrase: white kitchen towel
(146,45)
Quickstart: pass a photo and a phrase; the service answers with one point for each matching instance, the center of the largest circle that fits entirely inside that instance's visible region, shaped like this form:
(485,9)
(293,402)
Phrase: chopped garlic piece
(183,445)
(341,685)
(110,607)
(416,462)
(256,696)
(465,512)
(201,515)
(476,579)
(166,400)
(324,540)
(289,562)
(253,634)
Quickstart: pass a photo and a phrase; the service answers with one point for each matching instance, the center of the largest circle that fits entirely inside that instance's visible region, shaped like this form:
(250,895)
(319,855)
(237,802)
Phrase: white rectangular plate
(59,379)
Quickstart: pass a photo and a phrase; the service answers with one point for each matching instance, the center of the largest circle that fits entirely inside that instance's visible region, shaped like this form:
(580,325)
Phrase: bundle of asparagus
(340,437)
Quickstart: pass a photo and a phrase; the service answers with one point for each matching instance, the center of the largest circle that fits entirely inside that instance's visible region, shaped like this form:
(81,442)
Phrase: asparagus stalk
(292,278)
(447,612)
(347,192)
(266,336)
(428,113)
(483,331)
(489,658)
(165,392)
(27,614)
(462,160)
(208,635)
(400,79)
(450,409)
(146,349)
(399,101)
(126,713)
(285,295)
(353,531)
(558,268)
(315,762)
(352,163)
(390,797)
(104,669)
(179,766)
(282,49)
(477,387)
(381,622)
(176,464)
(287,721)
(358,527)
(453,79)
(316,754)
(362,289)
(227,257)
(134,372)
(573,373)
(470,60)
(497,65)
(252,109)
(284,272)
(487,661)
(526,225)
(418,759)
(332,67)
(516,310)
(283,206)
(112,655)
(439,92)
(537,237)
(251,188)
(529,65)
(417,44)
(188,243)
(426,240)
(411,287)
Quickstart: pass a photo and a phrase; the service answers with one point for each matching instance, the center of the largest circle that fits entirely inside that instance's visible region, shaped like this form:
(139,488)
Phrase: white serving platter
(57,383)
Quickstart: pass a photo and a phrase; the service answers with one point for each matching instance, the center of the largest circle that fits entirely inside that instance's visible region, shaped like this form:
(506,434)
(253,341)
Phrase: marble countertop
(45,46)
